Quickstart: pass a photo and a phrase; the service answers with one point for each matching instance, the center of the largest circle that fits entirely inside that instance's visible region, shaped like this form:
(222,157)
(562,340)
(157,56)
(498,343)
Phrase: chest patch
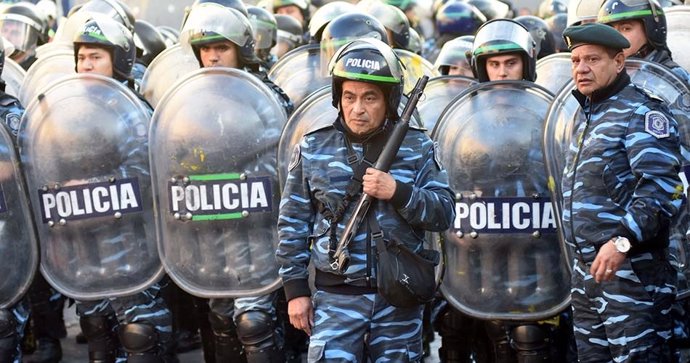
(657,124)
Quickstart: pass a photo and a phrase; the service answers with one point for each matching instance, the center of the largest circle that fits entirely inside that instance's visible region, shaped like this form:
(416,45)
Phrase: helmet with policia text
(106,33)
(372,61)
(114,9)
(392,18)
(541,34)
(503,36)
(346,28)
(648,11)
(210,23)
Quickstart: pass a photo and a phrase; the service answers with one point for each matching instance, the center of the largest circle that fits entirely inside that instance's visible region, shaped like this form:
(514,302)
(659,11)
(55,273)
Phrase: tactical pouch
(404,278)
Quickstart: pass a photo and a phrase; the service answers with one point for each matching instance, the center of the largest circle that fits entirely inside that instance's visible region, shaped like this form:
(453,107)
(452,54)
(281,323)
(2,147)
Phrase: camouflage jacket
(319,173)
(621,174)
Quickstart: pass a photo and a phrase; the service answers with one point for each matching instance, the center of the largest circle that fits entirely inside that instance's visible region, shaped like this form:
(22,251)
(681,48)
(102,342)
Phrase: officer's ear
(619,59)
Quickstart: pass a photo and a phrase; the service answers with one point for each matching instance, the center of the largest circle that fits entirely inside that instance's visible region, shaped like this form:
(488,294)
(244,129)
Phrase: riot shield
(213,144)
(415,67)
(19,247)
(564,115)
(438,93)
(56,65)
(678,21)
(504,260)
(166,69)
(83,143)
(554,71)
(298,73)
(13,74)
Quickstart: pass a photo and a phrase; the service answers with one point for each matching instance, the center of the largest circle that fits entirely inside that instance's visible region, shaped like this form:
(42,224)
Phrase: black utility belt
(339,284)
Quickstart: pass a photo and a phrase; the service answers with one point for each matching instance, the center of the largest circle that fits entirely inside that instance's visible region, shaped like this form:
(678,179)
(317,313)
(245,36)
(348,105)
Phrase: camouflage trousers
(235,307)
(361,328)
(147,307)
(628,318)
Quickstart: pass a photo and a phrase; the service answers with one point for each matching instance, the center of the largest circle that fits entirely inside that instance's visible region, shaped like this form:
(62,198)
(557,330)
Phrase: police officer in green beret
(620,190)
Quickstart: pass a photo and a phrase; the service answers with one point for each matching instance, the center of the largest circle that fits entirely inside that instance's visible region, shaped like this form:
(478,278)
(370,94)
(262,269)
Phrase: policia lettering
(219,196)
(90,200)
(503,215)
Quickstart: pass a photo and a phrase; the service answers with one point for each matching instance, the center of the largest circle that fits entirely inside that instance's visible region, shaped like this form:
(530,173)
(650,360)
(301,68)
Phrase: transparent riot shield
(415,67)
(166,69)
(19,247)
(565,114)
(13,74)
(298,73)
(678,25)
(438,93)
(54,66)
(213,140)
(503,257)
(554,71)
(83,145)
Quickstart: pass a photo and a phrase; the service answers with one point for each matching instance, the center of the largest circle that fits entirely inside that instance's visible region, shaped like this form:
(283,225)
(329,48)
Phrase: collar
(621,81)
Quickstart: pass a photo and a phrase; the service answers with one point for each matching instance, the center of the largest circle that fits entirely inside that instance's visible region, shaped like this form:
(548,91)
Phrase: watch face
(622,245)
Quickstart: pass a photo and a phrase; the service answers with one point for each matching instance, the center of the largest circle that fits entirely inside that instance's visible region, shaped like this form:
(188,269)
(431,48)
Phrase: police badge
(657,124)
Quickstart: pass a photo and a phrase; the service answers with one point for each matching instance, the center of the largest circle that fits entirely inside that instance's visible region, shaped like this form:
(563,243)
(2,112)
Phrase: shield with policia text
(83,146)
(19,245)
(438,93)
(564,116)
(503,258)
(213,141)
(299,73)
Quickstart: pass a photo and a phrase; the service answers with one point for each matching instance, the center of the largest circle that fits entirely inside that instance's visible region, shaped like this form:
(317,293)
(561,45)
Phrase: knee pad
(95,326)
(138,338)
(531,343)
(255,329)
(221,324)
(98,332)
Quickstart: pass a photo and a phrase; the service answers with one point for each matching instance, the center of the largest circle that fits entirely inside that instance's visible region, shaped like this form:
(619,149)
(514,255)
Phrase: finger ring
(608,270)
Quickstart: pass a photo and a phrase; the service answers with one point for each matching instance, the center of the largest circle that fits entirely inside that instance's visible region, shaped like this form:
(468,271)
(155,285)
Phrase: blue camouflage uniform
(347,306)
(11,112)
(621,179)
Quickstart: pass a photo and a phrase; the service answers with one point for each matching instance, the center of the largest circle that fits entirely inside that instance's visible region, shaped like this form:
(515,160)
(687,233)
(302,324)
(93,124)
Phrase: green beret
(594,33)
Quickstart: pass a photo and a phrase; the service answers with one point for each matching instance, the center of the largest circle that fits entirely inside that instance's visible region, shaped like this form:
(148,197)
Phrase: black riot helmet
(346,28)
(264,28)
(557,25)
(232,4)
(104,32)
(372,61)
(503,36)
(455,19)
(210,23)
(289,35)
(22,26)
(648,11)
(114,9)
(541,34)
(454,53)
(325,14)
(148,40)
(392,18)
(549,8)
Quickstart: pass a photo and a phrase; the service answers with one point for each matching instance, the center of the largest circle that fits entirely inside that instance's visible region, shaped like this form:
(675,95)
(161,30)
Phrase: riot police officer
(452,60)
(143,322)
(222,37)
(25,29)
(643,23)
(346,317)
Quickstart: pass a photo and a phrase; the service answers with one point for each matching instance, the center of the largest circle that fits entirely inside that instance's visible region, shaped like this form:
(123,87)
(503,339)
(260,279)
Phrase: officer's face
(633,30)
(363,106)
(221,54)
(293,11)
(94,60)
(461,70)
(594,68)
(504,67)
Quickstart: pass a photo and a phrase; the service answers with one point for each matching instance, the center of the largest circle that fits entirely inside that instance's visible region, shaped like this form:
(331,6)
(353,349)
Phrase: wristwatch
(622,244)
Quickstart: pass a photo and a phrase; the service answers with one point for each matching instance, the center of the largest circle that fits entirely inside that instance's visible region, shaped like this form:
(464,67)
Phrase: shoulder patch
(657,124)
(12,120)
(437,156)
(295,158)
